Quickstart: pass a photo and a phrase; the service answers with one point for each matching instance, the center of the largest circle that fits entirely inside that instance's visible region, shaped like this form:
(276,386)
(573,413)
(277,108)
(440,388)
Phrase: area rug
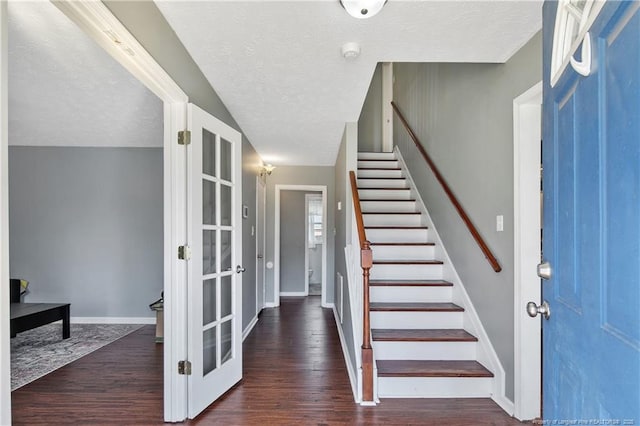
(42,350)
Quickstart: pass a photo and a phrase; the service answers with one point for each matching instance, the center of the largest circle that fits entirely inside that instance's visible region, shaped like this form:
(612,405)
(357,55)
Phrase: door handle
(533,310)
(545,271)
(240,269)
(583,67)
(259,256)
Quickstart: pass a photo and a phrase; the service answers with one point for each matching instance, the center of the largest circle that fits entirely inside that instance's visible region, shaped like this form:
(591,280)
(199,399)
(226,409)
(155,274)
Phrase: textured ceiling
(65,90)
(278,68)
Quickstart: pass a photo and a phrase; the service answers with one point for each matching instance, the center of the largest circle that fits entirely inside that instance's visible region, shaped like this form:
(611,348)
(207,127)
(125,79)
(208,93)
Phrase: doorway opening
(300,242)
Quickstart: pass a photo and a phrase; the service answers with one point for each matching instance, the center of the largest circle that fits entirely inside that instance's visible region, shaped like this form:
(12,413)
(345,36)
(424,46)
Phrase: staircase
(419,342)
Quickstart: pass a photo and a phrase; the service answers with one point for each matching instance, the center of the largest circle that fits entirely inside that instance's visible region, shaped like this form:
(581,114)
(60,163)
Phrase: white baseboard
(250,326)
(293,294)
(347,359)
(270,305)
(505,403)
(113,320)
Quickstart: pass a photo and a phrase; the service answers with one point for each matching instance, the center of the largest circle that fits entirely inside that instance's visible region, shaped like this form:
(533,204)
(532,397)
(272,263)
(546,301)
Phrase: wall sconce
(266,170)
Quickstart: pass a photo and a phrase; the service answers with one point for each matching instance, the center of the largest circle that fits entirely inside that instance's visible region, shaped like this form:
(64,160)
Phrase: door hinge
(184,252)
(184,368)
(184,137)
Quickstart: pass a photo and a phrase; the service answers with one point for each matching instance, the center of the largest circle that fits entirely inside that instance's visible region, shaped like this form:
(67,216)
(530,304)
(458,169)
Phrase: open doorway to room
(315,236)
(300,241)
(85,187)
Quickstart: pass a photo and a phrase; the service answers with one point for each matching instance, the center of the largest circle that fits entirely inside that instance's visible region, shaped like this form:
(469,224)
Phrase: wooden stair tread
(386,199)
(386,188)
(383,178)
(407,262)
(428,335)
(403,244)
(395,227)
(414,368)
(410,283)
(414,307)
(405,213)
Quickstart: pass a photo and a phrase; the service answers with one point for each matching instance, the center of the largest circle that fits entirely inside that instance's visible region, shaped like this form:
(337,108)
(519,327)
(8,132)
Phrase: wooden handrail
(366,262)
(463,215)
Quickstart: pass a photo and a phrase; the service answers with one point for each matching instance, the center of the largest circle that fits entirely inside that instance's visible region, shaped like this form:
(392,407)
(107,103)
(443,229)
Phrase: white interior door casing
(214,271)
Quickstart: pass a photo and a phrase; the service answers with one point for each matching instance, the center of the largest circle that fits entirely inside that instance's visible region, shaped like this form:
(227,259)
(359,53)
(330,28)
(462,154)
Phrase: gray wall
(463,114)
(299,175)
(87,227)
(342,229)
(370,121)
(250,164)
(147,24)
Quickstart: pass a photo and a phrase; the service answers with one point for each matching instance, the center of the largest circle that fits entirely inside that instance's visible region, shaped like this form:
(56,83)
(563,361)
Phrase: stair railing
(366,262)
(463,215)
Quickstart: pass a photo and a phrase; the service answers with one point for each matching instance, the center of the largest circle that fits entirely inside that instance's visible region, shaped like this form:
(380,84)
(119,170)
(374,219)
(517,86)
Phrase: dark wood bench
(26,316)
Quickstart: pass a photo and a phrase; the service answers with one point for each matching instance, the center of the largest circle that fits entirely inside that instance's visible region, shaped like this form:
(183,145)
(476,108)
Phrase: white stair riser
(434,387)
(390,173)
(376,156)
(378,164)
(458,351)
(410,294)
(398,235)
(384,194)
(392,219)
(406,272)
(382,183)
(388,206)
(403,252)
(416,320)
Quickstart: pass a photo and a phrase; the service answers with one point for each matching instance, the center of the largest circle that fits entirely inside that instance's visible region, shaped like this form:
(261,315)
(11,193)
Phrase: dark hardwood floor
(294,374)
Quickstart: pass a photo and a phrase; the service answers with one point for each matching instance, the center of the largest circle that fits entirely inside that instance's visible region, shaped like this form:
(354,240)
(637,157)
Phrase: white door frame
(93,18)
(5,355)
(261,222)
(527,130)
(308,197)
(276,238)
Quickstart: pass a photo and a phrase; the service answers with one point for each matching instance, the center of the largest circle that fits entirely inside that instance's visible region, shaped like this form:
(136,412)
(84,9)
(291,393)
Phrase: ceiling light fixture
(362,9)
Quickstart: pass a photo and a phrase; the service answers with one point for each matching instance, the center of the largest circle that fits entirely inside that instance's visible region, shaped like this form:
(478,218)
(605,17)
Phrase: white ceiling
(277,64)
(65,90)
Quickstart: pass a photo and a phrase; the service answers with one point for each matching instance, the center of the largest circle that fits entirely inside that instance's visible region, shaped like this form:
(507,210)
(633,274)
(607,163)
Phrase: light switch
(339,205)
(499,223)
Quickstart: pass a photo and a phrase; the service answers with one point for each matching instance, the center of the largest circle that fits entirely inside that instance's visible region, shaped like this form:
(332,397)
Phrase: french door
(591,156)
(214,271)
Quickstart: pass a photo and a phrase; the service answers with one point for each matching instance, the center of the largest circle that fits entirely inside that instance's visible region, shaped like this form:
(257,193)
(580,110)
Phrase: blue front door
(591,237)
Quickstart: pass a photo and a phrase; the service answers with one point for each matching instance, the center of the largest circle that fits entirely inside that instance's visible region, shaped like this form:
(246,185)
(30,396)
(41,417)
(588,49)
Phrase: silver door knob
(533,310)
(239,269)
(545,271)
(259,256)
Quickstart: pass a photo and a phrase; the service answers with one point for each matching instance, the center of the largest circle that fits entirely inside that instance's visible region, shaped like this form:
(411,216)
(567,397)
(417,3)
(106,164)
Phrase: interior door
(215,279)
(591,124)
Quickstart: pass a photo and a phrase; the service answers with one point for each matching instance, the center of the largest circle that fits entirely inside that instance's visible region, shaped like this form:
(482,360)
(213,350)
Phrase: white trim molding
(249,328)
(526,236)
(276,239)
(5,356)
